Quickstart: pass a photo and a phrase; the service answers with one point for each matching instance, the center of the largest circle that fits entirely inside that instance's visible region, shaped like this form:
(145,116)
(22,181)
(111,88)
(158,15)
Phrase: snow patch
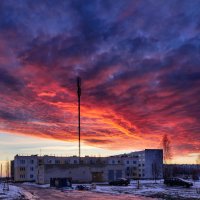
(14,192)
(151,189)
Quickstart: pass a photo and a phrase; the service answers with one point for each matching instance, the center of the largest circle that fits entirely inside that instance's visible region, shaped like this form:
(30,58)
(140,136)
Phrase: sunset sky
(140,67)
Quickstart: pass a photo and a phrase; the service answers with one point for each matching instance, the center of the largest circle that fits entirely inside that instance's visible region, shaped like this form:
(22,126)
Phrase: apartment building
(25,168)
(134,165)
(149,163)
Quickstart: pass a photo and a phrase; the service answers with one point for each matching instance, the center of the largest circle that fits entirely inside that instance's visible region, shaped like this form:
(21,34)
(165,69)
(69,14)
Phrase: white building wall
(25,168)
(135,165)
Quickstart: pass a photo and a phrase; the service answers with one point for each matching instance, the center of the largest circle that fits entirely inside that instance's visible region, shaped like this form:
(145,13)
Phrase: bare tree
(167,154)
(198,160)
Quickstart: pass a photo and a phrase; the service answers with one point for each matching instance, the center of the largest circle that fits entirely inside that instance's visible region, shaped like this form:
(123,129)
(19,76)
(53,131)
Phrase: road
(53,194)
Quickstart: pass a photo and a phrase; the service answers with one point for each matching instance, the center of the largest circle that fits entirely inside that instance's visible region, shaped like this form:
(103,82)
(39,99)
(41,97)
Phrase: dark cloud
(139,63)
(7,116)
(9,81)
(95,141)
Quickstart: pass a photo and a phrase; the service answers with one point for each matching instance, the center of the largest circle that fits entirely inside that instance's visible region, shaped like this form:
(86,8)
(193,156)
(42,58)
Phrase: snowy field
(147,189)
(158,190)
(14,193)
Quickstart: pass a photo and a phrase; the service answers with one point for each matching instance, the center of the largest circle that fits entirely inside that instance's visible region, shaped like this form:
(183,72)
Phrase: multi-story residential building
(149,161)
(141,164)
(25,168)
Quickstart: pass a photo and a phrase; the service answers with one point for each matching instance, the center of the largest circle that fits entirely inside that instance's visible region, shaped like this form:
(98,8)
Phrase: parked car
(177,182)
(82,187)
(120,182)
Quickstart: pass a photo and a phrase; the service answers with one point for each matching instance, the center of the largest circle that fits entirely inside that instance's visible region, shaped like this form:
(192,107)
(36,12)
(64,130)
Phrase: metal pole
(1,172)
(79,114)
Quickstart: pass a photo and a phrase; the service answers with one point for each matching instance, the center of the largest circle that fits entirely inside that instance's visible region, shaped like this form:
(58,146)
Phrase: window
(143,164)
(57,161)
(32,161)
(40,161)
(31,176)
(134,162)
(22,176)
(127,162)
(31,168)
(75,161)
(118,161)
(22,169)
(66,161)
(91,162)
(139,165)
(22,161)
(113,162)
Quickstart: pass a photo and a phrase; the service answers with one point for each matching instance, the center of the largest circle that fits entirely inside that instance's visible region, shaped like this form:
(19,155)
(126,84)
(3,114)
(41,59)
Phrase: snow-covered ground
(147,188)
(15,193)
(36,185)
(151,189)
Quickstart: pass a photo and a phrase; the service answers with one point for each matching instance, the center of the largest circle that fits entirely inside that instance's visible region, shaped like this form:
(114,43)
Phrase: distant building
(90,169)
(186,171)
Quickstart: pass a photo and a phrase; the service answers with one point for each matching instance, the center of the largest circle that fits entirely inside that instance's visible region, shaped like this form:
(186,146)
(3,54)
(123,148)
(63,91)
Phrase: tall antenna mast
(1,172)
(79,113)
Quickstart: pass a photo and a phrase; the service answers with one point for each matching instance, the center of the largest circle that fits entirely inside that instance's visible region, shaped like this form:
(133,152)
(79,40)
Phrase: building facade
(80,173)
(145,164)
(25,168)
